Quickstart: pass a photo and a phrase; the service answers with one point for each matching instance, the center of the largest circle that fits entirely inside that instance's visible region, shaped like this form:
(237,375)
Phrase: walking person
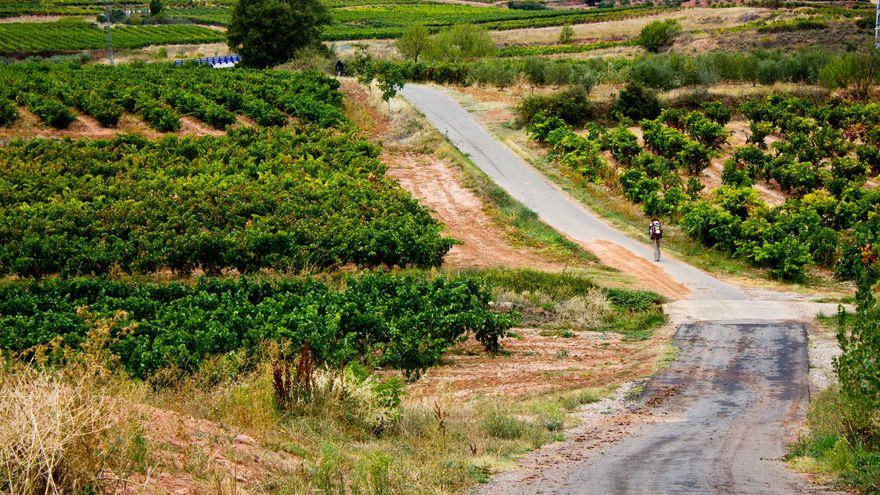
(655,229)
(340,68)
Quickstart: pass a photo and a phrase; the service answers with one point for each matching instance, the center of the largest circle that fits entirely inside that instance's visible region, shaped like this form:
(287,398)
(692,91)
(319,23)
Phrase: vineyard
(69,35)
(402,321)
(820,154)
(388,19)
(160,94)
(279,198)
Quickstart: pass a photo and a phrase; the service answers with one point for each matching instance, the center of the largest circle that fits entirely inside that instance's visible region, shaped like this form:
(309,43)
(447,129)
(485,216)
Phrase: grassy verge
(827,452)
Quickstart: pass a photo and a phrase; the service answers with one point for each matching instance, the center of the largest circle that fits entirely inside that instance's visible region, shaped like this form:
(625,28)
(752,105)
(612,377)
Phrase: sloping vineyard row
(70,36)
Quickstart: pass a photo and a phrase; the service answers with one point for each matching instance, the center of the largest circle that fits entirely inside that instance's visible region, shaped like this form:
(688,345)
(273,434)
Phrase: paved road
(716,421)
(535,191)
(711,423)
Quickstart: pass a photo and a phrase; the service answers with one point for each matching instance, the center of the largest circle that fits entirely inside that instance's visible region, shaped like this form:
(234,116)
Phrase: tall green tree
(415,41)
(155,7)
(269,32)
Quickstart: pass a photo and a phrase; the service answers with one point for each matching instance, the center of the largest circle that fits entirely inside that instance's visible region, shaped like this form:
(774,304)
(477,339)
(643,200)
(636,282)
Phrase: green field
(68,36)
(388,19)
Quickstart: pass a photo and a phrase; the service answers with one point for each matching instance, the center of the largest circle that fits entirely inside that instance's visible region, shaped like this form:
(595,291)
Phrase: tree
(859,71)
(658,35)
(462,42)
(858,367)
(390,82)
(269,32)
(566,34)
(155,7)
(415,41)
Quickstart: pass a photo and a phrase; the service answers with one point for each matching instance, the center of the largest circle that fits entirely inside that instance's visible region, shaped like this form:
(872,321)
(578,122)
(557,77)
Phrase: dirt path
(438,185)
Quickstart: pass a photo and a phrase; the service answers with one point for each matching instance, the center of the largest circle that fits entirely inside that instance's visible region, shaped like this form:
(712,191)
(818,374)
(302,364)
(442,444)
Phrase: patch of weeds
(557,332)
(634,393)
(573,400)
(548,415)
(637,326)
(561,354)
(500,424)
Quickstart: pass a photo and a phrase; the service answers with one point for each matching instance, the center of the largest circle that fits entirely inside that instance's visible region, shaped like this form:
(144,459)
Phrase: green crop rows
(160,93)
(401,321)
(388,19)
(280,198)
(65,36)
(533,51)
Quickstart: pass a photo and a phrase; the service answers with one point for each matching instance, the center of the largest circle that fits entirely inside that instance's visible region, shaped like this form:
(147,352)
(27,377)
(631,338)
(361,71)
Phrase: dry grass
(68,430)
(694,19)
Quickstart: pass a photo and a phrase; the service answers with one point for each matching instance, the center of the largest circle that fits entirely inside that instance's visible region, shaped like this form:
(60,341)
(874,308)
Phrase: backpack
(656,228)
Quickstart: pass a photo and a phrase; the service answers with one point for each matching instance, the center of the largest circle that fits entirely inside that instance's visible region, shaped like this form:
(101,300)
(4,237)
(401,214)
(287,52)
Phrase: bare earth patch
(439,185)
(533,364)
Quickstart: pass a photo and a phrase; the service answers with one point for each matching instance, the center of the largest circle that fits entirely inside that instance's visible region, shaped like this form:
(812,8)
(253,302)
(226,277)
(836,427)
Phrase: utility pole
(109,39)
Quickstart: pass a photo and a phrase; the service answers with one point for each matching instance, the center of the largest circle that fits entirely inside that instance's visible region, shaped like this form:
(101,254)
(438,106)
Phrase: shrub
(623,144)
(636,102)
(658,35)
(461,42)
(541,126)
(8,112)
(570,105)
(717,111)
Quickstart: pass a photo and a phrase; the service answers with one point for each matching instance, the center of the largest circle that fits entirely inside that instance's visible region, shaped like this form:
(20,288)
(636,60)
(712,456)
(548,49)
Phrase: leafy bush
(657,35)
(53,112)
(623,144)
(8,112)
(571,105)
(717,111)
(635,102)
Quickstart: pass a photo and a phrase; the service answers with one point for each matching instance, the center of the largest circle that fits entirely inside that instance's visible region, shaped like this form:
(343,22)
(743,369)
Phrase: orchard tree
(269,32)
(415,41)
(155,7)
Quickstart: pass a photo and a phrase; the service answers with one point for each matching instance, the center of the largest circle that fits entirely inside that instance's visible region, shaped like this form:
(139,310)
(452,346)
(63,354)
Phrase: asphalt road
(715,422)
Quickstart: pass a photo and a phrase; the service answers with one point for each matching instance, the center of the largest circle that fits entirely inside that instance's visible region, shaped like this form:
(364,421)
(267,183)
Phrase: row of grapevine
(540,50)
(160,93)
(823,156)
(401,321)
(68,36)
(274,198)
